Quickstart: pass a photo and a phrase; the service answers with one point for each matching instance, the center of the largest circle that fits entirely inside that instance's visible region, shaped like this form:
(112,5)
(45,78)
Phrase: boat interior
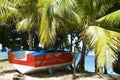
(18,55)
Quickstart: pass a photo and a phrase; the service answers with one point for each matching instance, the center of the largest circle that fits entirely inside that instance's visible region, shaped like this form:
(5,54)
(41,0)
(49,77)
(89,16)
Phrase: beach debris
(18,77)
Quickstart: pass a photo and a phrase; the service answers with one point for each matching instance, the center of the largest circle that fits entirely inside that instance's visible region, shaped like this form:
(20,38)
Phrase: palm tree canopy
(7,10)
(38,17)
(104,43)
(41,15)
(113,19)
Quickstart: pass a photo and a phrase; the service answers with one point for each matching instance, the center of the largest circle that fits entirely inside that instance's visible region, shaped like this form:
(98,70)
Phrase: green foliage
(104,43)
(46,27)
(7,10)
(37,17)
(10,38)
(101,41)
(112,19)
(51,18)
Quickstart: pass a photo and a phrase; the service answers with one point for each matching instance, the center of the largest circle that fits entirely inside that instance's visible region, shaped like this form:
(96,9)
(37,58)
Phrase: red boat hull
(43,60)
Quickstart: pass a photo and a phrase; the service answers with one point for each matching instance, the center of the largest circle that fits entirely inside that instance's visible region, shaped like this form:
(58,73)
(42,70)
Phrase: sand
(8,72)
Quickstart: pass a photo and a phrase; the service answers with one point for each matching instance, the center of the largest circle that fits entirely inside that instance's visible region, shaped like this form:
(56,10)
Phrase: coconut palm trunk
(30,40)
(105,70)
(71,42)
(97,69)
(82,60)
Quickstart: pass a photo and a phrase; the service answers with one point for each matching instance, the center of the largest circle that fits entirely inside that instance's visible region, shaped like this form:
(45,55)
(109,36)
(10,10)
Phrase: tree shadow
(110,77)
(101,76)
(8,71)
(61,72)
(3,60)
(45,73)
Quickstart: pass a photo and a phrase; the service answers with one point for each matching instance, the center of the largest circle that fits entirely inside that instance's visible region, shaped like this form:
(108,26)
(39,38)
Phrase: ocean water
(89,62)
(90,65)
(3,54)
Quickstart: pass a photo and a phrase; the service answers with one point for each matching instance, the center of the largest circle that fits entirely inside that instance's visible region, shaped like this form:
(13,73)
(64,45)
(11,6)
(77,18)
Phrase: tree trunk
(82,59)
(116,65)
(99,69)
(71,42)
(71,48)
(30,40)
(36,41)
(105,70)
(96,70)
(74,70)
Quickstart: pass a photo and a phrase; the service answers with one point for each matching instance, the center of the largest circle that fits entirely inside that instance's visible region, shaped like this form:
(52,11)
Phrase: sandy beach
(8,72)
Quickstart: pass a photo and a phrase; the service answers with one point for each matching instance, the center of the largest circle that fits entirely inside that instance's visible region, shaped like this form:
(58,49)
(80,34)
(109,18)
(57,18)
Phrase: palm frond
(7,10)
(110,19)
(46,28)
(104,43)
(42,2)
(24,25)
(65,11)
(102,6)
(64,6)
(20,2)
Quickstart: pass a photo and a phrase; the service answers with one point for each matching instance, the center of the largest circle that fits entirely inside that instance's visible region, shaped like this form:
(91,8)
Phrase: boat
(28,61)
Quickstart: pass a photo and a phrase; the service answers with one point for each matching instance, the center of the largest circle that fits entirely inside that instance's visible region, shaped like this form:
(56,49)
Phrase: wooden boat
(30,61)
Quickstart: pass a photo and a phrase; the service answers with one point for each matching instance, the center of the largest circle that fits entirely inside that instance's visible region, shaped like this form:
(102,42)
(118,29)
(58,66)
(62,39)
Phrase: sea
(89,62)
(3,54)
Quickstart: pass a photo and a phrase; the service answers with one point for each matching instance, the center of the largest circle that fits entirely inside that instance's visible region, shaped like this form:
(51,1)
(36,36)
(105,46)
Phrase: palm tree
(17,10)
(62,31)
(37,15)
(104,44)
(84,14)
(44,19)
(27,23)
(87,13)
(103,37)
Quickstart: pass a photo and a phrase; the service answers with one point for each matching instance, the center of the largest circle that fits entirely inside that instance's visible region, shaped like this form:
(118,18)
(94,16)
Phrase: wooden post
(74,70)
(50,71)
